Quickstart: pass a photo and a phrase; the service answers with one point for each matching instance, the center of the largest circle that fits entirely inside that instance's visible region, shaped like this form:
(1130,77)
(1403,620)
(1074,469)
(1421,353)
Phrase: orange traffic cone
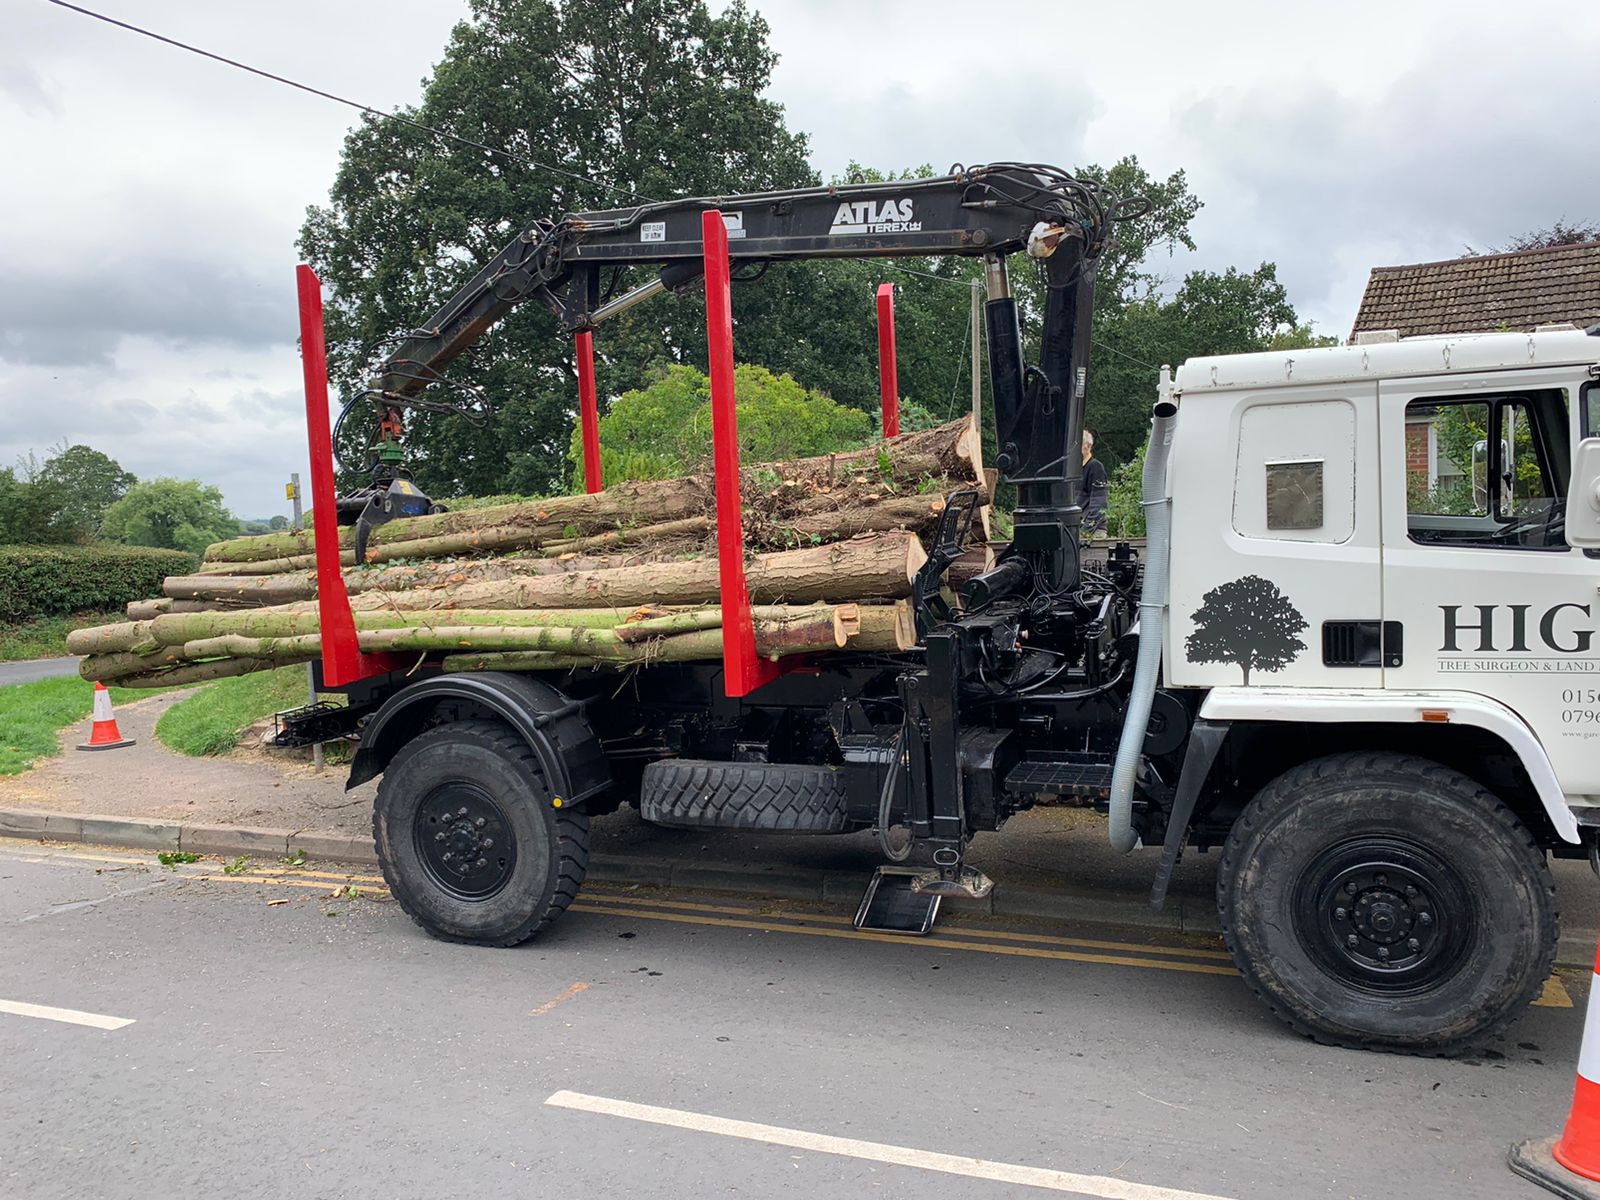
(1569,1165)
(104,735)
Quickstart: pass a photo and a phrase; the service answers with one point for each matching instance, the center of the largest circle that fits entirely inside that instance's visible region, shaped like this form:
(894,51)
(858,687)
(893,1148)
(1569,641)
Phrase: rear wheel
(1387,902)
(469,841)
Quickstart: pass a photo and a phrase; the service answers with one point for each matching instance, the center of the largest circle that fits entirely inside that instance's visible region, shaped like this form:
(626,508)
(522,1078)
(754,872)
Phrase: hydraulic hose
(1152,603)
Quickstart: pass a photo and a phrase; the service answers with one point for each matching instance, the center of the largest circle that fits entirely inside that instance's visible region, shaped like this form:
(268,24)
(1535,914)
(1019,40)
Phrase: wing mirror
(1583,496)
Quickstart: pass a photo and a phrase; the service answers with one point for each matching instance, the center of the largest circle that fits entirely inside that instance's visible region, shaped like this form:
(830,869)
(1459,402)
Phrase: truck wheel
(1382,901)
(469,842)
(777,797)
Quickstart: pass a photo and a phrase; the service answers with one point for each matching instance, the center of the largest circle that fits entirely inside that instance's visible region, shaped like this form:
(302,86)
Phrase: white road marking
(77,904)
(69,1016)
(1103,1187)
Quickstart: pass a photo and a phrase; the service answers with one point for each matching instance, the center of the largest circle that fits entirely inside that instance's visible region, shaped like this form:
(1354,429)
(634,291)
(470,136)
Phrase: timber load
(614,579)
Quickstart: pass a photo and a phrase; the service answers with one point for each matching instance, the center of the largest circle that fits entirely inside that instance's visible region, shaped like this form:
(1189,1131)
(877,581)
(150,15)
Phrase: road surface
(35,669)
(189,1033)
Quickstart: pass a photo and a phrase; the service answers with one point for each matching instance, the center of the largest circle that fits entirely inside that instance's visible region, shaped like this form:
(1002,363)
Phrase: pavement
(287,1031)
(36,669)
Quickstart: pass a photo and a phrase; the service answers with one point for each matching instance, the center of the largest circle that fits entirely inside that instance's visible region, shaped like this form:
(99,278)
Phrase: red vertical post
(342,660)
(589,412)
(743,669)
(888,372)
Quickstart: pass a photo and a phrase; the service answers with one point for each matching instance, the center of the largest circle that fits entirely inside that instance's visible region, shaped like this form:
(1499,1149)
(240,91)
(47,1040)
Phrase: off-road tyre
(540,853)
(776,797)
(1488,940)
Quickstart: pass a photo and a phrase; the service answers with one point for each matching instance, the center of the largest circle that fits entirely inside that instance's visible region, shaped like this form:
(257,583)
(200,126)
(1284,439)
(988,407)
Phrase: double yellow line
(961,934)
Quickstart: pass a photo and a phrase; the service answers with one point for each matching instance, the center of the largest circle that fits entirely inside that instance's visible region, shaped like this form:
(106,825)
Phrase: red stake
(888,371)
(589,412)
(342,660)
(743,669)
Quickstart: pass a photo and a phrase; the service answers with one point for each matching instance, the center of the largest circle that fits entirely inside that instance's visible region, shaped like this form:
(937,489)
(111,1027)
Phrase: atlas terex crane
(1385,807)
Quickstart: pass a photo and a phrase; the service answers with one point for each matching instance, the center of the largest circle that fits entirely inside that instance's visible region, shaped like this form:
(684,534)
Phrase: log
(870,567)
(206,672)
(951,452)
(885,628)
(130,637)
(795,631)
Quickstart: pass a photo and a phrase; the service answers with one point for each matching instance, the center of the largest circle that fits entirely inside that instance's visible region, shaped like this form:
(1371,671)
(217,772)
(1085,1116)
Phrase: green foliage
(61,500)
(43,580)
(211,721)
(237,866)
(46,637)
(176,858)
(33,714)
(1124,504)
(173,514)
(664,430)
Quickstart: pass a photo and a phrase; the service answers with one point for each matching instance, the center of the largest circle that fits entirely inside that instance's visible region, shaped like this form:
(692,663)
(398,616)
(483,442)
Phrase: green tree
(171,514)
(664,430)
(652,98)
(83,483)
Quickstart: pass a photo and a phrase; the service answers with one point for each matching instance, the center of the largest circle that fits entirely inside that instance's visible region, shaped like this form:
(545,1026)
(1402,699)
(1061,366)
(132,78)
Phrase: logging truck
(1365,673)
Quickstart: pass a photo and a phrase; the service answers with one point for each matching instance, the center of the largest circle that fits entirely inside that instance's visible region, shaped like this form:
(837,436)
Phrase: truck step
(1056,777)
(893,905)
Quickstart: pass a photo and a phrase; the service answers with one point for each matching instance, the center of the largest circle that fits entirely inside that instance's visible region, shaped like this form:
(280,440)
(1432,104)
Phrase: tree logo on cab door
(1248,622)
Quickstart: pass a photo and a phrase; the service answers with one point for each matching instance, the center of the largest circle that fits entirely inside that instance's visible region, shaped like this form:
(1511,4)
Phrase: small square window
(1294,494)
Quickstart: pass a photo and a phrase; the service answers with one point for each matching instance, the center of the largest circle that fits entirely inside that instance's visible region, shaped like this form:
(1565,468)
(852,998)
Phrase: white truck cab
(1376,533)
(1386,624)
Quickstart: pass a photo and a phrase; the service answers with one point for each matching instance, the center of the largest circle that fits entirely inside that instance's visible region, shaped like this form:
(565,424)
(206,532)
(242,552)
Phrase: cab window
(1487,471)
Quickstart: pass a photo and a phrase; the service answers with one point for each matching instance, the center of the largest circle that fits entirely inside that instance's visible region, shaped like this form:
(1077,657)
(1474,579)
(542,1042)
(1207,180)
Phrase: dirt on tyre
(778,797)
(1382,901)
(470,844)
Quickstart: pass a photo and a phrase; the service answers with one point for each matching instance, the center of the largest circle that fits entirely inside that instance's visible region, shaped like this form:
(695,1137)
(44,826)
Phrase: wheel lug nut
(1382,880)
(480,822)
(448,856)
(438,837)
(1350,888)
(462,811)
(1424,918)
(1411,892)
(1352,941)
(481,862)
(1413,944)
(1383,953)
(488,843)
(1339,914)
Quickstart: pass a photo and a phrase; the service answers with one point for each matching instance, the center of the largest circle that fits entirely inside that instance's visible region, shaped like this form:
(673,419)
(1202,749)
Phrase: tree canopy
(1248,622)
(170,514)
(664,430)
(61,500)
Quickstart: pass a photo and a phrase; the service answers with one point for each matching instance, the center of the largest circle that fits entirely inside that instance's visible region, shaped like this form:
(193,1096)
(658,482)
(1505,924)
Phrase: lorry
(1352,657)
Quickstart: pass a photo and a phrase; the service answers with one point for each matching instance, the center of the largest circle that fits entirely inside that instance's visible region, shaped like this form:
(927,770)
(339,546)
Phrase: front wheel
(1383,901)
(470,842)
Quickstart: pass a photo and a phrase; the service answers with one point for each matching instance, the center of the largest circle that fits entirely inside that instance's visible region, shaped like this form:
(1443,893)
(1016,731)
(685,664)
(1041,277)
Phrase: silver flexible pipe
(1152,603)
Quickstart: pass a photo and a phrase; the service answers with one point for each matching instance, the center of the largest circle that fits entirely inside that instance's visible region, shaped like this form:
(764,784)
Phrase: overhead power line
(355,104)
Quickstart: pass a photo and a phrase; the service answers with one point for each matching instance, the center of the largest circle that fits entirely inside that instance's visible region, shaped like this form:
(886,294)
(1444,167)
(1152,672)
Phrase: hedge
(40,581)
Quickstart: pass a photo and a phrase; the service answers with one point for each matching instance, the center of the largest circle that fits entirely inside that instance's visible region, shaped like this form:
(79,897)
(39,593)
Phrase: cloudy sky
(150,199)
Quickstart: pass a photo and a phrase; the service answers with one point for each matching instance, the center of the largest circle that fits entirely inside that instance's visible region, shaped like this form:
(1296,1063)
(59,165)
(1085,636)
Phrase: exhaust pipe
(1152,602)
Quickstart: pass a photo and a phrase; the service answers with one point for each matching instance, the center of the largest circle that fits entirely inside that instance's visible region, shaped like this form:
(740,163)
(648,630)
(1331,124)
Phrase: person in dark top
(1096,490)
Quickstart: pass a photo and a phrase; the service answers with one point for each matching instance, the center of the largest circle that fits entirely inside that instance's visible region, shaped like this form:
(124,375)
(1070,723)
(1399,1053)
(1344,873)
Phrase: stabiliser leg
(936,808)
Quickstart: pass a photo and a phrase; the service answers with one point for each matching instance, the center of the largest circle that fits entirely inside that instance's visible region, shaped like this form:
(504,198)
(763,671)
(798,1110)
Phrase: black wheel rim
(464,841)
(1384,915)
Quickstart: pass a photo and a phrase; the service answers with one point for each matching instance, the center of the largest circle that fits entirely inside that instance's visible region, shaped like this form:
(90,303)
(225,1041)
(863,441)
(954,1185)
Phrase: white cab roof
(1449,354)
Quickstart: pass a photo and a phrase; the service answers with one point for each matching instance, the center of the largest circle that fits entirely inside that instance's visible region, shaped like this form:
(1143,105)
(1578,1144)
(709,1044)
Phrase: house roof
(1486,292)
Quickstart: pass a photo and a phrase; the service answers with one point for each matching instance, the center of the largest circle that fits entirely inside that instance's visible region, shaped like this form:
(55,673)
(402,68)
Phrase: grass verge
(46,637)
(210,721)
(32,714)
